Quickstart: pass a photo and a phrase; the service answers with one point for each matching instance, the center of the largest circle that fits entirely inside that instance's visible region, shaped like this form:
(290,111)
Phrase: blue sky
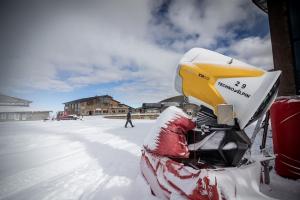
(53,52)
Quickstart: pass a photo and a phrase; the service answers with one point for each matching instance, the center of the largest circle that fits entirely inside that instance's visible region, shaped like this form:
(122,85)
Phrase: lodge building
(97,105)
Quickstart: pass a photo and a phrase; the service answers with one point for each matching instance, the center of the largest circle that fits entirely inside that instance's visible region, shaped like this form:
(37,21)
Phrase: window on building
(11,116)
(2,116)
(17,116)
(98,112)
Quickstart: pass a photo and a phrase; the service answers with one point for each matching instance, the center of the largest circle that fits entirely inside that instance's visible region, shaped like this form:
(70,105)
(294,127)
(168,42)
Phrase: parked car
(65,116)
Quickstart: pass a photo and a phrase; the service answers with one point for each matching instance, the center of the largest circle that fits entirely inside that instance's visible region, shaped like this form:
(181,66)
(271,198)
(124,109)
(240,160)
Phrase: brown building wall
(96,106)
(281,45)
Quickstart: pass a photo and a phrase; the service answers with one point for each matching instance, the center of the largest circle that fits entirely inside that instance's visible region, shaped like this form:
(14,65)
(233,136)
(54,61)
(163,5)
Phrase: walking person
(128,119)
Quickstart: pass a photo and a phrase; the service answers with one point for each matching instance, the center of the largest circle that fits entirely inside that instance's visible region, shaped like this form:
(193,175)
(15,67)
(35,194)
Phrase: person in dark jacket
(128,119)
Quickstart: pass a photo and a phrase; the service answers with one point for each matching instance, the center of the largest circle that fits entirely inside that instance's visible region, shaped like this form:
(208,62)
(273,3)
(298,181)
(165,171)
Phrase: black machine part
(221,156)
(222,136)
(265,164)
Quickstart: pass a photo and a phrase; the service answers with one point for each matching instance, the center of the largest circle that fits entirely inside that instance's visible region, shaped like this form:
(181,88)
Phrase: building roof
(89,98)
(125,105)
(95,97)
(172,101)
(6,109)
(5,100)
(179,99)
(262,4)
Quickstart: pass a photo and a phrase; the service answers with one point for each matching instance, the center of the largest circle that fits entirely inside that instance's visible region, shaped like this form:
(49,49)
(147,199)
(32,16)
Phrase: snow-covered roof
(21,109)
(8,100)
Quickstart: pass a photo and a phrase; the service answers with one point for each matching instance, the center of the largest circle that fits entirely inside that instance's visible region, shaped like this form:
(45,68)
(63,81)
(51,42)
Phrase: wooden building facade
(97,105)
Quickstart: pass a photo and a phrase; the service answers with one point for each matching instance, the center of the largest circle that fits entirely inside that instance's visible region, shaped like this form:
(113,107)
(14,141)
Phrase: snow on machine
(209,157)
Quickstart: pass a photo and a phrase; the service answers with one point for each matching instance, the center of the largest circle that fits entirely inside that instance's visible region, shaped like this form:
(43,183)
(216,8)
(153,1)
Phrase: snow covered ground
(91,159)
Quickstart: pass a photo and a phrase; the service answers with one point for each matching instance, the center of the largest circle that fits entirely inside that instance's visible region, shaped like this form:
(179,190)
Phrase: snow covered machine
(205,157)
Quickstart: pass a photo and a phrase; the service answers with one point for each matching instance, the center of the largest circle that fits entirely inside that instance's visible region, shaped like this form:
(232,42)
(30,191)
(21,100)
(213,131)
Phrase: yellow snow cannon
(213,80)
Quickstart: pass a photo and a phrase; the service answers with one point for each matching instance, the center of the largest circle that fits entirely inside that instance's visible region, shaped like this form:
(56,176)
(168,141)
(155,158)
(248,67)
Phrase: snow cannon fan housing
(210,79)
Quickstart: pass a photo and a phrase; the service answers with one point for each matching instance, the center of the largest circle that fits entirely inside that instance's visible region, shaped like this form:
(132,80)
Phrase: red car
(62,115)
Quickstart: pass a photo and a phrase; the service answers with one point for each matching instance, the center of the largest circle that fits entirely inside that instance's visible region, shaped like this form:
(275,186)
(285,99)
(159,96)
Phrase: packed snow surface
(94,158)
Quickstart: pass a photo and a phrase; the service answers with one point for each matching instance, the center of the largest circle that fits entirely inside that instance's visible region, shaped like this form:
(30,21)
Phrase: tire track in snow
(77,184)
(32,148)
(21,162)
(28,178)
(88,181)
(80,184)
(112,140)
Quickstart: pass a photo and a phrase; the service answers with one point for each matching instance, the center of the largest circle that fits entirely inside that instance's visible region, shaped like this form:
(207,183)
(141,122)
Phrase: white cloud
(253,50)
(205,22)
(73,44)
(82,44)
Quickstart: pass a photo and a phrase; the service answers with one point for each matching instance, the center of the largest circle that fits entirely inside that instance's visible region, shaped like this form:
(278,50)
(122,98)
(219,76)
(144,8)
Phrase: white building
(16,109)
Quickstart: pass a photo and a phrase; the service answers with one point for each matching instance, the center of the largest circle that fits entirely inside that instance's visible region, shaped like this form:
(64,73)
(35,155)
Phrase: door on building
(23,116)
(17,116)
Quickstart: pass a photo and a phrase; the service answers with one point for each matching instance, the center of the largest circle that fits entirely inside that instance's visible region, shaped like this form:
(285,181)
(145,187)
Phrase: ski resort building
(177,101)
(97,105)
(151,108)
(16,109)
